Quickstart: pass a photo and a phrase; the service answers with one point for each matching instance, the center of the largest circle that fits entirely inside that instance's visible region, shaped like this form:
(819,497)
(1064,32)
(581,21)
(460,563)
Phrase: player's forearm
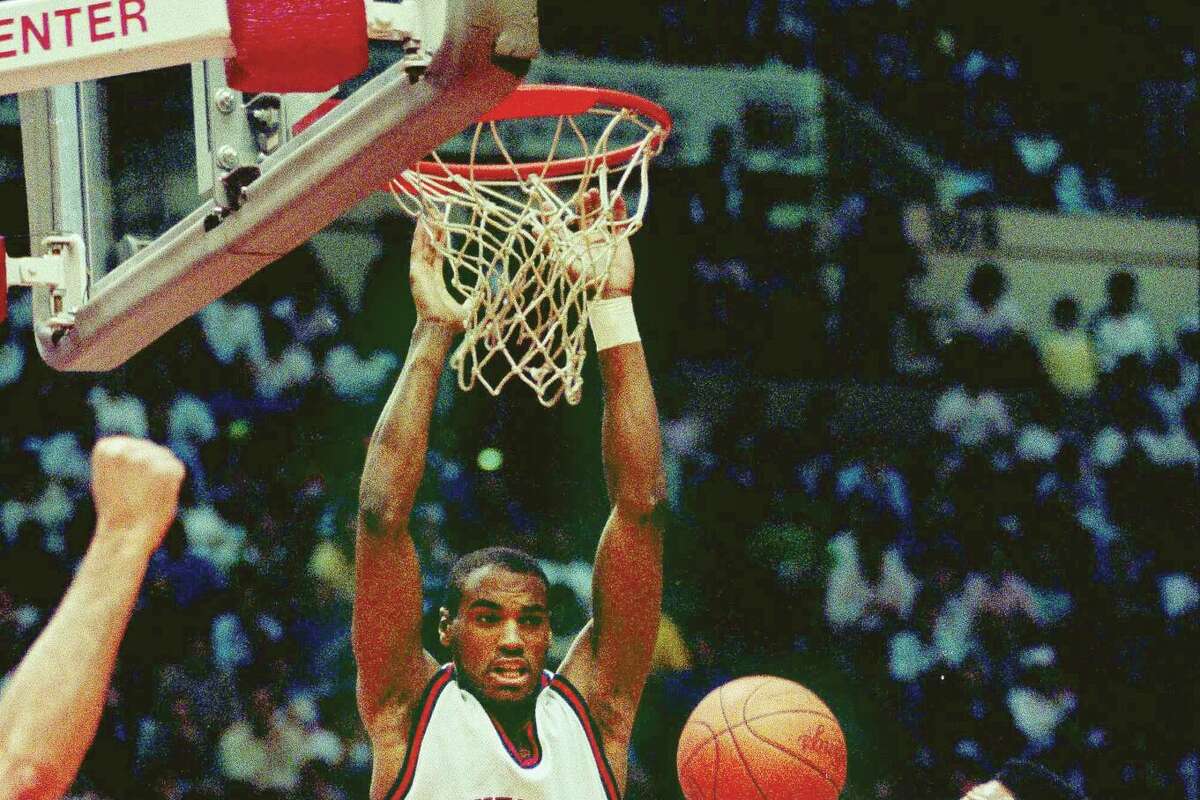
(631,440)
(51,709)
(627,583)
(396,456)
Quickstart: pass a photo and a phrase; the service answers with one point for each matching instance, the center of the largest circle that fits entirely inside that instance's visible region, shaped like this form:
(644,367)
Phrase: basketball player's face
(501,634)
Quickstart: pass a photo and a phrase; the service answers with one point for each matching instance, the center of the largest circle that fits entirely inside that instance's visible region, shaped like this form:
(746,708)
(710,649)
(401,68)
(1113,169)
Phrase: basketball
(761,737)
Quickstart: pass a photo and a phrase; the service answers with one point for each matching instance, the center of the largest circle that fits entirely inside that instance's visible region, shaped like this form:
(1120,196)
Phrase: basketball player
(493,723)
(1023,780)
(51,708)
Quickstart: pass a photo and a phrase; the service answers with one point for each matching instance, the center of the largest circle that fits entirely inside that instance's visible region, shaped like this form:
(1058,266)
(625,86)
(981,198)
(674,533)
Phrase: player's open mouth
(510,673)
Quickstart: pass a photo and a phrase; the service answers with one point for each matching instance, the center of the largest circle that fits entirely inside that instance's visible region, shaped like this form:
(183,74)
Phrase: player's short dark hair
(1029,781)
(509,558)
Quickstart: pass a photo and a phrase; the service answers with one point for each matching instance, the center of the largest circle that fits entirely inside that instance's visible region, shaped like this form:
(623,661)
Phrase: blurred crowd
(1080,106)
(229,681)
(1006,544)
(1026,572)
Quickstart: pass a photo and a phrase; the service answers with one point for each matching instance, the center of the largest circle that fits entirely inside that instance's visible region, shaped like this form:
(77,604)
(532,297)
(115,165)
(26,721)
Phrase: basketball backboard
(181,187)
(113,159)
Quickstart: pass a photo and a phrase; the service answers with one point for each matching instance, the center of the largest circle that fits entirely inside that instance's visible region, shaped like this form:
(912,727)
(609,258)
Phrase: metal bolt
(227,157)
(268,117)
(225,101)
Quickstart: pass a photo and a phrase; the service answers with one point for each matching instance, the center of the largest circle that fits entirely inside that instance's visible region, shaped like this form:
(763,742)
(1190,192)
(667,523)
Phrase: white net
(522,252)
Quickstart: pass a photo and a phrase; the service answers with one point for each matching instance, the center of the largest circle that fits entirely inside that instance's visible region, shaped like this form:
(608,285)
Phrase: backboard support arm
(302,187)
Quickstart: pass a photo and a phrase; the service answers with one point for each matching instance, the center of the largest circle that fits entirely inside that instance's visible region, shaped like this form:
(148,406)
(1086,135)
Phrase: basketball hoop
(520,251)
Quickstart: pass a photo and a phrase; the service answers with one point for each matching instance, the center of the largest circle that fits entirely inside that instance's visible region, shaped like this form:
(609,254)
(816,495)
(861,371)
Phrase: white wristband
(613,322)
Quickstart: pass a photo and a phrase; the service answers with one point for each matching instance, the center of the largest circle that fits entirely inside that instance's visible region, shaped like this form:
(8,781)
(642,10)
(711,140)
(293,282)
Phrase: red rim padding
(540,100)
(296,45)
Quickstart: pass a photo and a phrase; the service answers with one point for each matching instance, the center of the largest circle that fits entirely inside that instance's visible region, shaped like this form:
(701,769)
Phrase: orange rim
(543,100)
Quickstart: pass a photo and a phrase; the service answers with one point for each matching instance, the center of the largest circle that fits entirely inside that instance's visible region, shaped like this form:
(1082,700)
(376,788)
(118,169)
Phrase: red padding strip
(296,45)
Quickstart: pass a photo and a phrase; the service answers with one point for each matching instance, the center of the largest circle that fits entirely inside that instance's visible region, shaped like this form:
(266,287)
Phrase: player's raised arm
(611,659)
(50,710)
(386,633)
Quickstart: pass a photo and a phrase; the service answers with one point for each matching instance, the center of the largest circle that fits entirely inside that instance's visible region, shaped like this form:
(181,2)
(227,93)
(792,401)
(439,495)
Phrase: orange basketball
(761,737)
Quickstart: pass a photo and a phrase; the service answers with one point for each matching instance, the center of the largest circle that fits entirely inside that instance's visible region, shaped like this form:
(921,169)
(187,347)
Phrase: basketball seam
(748,720)
(815,767)
(749,697)
(716,765)
(746,724)
(700,746)
(733,738)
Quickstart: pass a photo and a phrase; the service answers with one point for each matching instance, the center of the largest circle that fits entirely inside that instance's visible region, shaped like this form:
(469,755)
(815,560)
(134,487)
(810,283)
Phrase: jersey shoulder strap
(424,711)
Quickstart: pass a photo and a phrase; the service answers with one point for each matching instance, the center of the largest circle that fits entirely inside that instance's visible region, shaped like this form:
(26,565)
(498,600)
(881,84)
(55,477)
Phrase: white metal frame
(60,276)
(300,188)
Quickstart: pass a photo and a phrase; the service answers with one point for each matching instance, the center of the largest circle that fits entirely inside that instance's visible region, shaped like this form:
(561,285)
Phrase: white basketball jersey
(457,752)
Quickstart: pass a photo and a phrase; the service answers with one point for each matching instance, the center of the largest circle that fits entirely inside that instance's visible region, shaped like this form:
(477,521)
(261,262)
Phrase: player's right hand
(135,484)
(604,253)
(433,300)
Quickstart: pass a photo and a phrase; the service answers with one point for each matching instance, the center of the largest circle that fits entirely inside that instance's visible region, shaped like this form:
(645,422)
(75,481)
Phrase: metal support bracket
(62,270)
(233,133)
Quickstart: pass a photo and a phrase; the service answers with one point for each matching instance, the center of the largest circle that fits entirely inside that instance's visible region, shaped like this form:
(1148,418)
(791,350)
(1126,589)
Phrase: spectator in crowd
(877,486)
(287,367)
(987,311)
(190,427)
(118,413)
(1173,384)
(12,362)
(234,329)
(264,752)
(1188,355)
(212,537)
(865,586)
(1068,360)
(1040,703)
(970,414)
(1122,328)
(356,379)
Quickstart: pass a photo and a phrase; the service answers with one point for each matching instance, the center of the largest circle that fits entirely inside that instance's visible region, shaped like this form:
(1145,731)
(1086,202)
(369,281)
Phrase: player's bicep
(393,667)
(626,596)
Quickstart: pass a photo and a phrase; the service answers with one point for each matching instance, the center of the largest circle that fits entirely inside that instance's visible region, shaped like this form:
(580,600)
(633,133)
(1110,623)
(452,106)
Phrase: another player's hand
(433,300)
(136,487)
(620,267)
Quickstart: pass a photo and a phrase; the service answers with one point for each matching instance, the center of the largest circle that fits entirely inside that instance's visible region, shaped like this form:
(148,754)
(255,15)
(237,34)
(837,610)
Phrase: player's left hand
(432,299)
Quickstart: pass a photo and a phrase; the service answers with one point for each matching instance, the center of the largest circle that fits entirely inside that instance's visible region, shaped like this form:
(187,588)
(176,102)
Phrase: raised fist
(136,487)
